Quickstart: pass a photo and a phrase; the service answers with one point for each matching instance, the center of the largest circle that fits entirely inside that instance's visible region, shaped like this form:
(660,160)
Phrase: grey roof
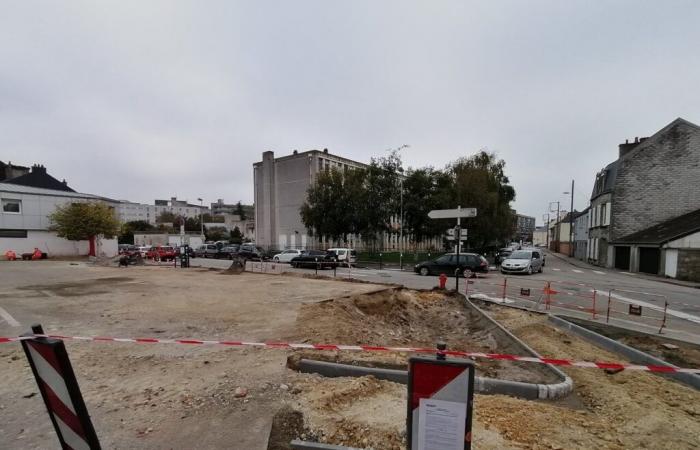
(663,232)
(610,172)
(21,189)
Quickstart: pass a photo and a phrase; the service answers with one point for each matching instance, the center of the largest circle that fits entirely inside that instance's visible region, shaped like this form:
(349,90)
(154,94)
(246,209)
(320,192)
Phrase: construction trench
(176,396)
(357,400)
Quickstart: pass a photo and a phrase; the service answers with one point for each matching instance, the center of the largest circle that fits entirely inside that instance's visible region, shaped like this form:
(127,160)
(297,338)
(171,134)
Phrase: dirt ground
(625,410)
(155,396)
(173,396)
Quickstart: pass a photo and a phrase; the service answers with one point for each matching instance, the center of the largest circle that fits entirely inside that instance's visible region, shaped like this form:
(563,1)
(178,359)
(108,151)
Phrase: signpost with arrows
(455,233)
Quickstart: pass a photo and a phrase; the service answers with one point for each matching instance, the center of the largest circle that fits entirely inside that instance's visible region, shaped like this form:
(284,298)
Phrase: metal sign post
(440,404)
(454,214)
(59,388)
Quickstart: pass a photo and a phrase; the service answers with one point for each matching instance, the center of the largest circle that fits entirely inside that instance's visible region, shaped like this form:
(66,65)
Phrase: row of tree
(364,201)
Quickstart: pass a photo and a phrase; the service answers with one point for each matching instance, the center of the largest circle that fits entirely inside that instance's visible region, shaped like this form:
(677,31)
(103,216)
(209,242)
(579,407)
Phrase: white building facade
(25,223)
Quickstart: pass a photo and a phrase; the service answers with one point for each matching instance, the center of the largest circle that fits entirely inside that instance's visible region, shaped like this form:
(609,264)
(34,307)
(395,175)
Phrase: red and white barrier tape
(368,348)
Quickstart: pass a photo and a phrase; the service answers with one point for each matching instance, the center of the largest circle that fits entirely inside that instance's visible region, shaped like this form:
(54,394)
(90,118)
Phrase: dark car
(469,263)
(250,251)
(315,258)
(228,252)
(502,255)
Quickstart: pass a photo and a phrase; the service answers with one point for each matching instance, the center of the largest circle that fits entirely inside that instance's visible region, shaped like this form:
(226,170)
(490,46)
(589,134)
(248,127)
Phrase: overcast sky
(145,99)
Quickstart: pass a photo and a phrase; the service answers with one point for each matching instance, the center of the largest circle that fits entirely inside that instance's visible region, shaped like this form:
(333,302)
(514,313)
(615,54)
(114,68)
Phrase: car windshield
(520,255)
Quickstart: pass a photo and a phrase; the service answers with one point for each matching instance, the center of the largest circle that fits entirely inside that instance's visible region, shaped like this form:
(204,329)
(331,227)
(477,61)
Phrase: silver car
(523,261)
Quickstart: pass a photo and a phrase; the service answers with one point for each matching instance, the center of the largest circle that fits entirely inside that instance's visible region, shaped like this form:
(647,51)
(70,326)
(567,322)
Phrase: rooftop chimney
(325,150)
(38,168)
(629,146)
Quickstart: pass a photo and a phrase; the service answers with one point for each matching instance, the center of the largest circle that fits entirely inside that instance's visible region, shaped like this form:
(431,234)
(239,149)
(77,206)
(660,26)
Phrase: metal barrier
(642,309)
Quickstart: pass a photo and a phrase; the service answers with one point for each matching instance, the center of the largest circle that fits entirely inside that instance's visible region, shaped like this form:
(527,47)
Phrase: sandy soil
(407,318)
(625,410)
(156,396)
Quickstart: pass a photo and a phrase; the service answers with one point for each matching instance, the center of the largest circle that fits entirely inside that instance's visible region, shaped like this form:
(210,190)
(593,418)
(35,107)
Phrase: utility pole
(571,222)
(201,218)
(557,226)
(401,231)
(547,227)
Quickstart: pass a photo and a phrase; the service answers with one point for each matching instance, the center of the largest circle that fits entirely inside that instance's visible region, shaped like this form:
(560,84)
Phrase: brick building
(654,181)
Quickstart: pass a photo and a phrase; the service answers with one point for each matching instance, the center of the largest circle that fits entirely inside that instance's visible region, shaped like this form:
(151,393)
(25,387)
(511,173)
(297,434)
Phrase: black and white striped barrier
(59,388)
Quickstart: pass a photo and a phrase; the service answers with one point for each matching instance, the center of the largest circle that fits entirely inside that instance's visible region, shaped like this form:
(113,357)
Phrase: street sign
(452,213)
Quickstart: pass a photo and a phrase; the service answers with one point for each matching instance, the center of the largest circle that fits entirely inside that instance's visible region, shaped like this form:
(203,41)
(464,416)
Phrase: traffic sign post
(457,231)
(440,404)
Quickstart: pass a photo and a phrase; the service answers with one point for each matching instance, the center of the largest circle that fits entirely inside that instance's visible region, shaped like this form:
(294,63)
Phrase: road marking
(628,273)
(8,318)
(555,269)
(599,272)
(577,271)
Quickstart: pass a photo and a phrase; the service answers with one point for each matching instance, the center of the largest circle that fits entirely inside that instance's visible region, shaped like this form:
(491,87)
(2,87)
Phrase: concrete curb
(525,390)
(621,349)
(491,386)
(305,445)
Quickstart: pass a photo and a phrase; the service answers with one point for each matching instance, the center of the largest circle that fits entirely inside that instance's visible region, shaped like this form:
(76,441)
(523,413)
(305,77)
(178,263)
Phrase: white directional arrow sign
(452,213)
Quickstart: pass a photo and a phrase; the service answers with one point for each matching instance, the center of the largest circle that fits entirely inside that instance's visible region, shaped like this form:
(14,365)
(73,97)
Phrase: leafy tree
(236,236)
(165,217)
(322,213)
(84,221)
(216,233)
(192,224)
(126,236)
(426,189)
(480,182)
(382,194)
(240,211)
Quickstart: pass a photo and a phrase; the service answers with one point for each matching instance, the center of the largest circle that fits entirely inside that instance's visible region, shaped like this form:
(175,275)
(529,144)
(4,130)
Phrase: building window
(11,206)
(13,233)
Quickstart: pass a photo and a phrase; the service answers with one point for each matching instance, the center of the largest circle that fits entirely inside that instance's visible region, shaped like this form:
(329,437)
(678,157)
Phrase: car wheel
(541,269)
(529,270)
(467,273)
(424,271)
(276,259)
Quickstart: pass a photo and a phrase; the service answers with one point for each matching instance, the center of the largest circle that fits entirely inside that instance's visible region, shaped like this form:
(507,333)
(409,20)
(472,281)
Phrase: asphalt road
(573,287)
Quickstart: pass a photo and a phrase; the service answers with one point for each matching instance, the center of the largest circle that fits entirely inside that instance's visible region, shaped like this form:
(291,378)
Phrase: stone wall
(688,264)
(658,180)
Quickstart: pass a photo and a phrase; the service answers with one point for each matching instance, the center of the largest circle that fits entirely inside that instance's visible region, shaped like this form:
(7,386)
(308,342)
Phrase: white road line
(555,269)
(577,271)
(8,318)
(599,272)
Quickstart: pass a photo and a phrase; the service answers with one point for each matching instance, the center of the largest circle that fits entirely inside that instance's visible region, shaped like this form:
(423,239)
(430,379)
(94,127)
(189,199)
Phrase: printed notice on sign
(441,424)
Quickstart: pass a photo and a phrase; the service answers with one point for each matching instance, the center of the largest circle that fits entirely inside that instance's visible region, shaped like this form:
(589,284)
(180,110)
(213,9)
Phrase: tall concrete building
(280,190)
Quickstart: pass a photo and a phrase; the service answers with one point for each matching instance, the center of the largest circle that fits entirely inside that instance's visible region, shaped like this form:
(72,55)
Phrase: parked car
(250,251)
(207,251)
(286,256)
(502,254)
(161,253)
(469,263)
(127,249)
(542,254)
(228,252)
(346,256)
(143,250)
(523,261)
(316,258)
(190,251)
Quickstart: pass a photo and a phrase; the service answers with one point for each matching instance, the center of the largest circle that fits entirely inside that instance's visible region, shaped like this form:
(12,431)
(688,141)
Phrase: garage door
(622,258)
(649,260)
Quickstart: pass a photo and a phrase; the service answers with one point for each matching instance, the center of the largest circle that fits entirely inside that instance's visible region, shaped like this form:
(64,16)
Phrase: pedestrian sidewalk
(584,265)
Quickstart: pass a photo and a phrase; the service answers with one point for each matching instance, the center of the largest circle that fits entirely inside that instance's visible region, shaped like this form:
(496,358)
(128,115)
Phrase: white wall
(53,245)
(690,241)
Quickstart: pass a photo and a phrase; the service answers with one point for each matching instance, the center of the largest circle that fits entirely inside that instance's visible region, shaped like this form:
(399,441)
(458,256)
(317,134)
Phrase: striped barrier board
(440,403)
(59,389)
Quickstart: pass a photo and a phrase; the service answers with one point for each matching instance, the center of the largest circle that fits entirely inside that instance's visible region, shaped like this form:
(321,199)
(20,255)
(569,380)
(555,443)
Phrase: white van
(346,256)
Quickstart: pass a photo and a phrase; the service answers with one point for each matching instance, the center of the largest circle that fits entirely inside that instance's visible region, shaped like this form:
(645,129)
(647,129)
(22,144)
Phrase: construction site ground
(177,396)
